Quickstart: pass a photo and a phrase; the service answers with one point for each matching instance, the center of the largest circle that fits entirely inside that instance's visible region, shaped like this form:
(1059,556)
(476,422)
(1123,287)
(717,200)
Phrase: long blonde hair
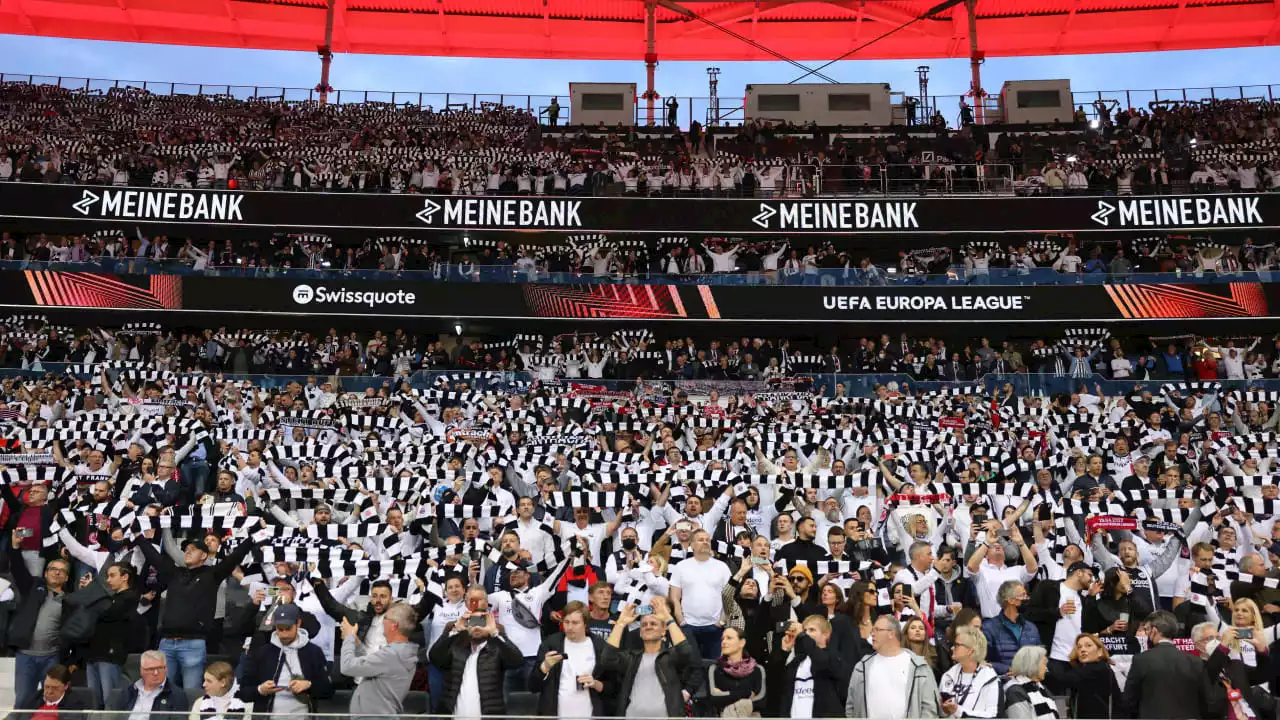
(1234,645)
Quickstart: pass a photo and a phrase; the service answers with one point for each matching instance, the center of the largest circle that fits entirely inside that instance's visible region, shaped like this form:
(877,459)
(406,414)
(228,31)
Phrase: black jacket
(450,654)
(263,664)
(671,665)
(115,616)
(801,550)
(1042,609)
(32,591)
(549,685)
(66,708)
(826,679)
(170,700)
(192,592)
(47,513)
(1094,691)
(1167,684)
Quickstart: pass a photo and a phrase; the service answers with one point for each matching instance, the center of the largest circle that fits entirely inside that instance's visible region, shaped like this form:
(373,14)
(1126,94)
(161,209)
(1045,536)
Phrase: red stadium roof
(615,29)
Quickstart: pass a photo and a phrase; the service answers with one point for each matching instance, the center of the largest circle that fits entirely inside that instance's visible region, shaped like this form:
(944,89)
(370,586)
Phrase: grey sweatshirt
(387,674)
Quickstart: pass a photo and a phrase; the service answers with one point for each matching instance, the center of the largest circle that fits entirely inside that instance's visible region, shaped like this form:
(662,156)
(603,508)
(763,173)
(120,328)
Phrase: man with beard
(1143,576)
(368,622)
(803,547)
(519,609)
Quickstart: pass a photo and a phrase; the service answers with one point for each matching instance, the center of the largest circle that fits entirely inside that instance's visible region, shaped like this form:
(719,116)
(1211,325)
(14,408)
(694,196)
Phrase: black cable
(940,7)
(689,13)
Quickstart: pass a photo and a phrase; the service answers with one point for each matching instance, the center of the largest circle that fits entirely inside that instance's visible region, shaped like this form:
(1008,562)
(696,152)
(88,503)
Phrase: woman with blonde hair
(1249,642)
(970,688)
(220,701)
(1089,678)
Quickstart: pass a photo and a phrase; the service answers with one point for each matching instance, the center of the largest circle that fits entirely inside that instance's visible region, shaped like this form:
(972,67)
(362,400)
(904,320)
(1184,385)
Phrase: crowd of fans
(180,542)
(29,342)
(598,255)
(129,136)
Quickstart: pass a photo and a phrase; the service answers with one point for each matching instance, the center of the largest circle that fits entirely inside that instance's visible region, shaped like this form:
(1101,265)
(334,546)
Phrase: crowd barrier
(472,273)
(822,384)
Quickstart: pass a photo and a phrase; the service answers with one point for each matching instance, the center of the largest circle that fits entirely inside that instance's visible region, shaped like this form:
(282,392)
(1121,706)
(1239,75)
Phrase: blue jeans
(195,478)
(518,677)
(706,637)
(435,683)
(103,678)
(185,661)
(28,673)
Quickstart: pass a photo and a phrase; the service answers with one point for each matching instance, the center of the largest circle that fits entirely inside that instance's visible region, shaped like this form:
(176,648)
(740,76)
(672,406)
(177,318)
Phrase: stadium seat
(193,695)
(85,697)
(113,698)
(336,705)
(522,704)
(417,703)
(132,668)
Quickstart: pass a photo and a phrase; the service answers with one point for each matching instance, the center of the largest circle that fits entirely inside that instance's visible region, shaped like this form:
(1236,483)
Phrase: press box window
(601,101)
(778,103)
(849,103)
(1039,99)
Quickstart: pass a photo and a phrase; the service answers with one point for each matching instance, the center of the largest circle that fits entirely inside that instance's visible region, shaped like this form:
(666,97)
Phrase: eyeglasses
(157,668)
(798,578)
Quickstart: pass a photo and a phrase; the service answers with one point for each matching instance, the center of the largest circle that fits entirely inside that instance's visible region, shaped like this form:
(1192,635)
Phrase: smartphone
(644,610)
(477,621)
(1244,633)
(273,592)
(755,560)
(1124,617)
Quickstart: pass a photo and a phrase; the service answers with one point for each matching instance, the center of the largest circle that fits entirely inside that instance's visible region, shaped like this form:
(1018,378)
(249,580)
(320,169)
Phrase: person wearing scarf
(736,683)
(1024,696)
(221,695)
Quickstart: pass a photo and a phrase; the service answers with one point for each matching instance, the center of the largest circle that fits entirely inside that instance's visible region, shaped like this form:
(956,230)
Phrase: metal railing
(900,179)
(465,272)
(690,107)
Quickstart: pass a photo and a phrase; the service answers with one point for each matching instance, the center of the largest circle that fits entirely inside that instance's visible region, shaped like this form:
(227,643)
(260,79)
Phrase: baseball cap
(197,543)
(286,615)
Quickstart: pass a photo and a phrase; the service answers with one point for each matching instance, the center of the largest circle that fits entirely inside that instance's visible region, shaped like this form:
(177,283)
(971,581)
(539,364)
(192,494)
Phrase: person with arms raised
(650,679)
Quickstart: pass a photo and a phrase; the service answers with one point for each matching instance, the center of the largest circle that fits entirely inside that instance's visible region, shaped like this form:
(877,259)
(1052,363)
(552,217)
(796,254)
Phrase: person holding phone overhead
(475,656)
(570,676)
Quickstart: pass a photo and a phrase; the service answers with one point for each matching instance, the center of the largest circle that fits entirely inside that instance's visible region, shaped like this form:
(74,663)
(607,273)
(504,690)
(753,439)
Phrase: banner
(623,302)
(322,212)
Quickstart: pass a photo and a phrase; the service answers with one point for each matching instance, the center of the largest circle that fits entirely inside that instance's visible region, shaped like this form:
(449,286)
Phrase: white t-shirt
(594,534)
(1068,627)
(579,659)
(988,580)
(802,698)
(701,583)
(888,681)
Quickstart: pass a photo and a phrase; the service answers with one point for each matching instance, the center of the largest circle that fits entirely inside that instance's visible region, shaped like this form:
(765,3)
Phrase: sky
(1253,67)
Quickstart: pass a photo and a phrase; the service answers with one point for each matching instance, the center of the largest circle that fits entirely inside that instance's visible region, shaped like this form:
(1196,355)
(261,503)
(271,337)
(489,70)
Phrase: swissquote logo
(305,295)
(501,212)
(161,205)
(839,215)
(1179,212)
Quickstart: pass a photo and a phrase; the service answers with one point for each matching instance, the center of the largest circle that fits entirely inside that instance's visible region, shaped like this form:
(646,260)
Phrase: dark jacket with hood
(264,663)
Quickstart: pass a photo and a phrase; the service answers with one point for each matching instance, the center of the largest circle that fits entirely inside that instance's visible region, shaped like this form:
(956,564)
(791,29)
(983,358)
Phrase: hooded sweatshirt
(290,666)
(386,676)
